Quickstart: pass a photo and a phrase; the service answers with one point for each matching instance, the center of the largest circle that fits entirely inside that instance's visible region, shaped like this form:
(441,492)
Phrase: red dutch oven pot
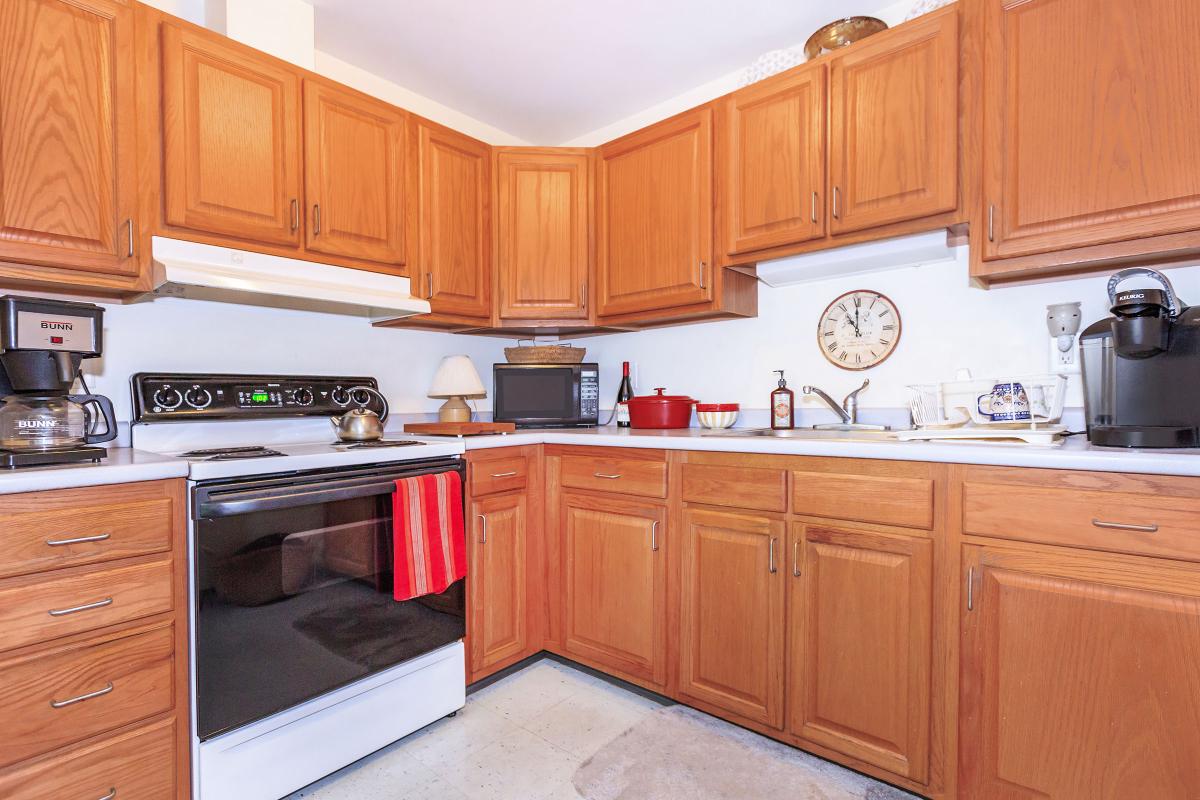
(660,410)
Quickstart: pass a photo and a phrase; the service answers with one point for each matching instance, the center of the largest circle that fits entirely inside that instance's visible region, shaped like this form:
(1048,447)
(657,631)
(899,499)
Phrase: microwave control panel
(589,394)
(159,397)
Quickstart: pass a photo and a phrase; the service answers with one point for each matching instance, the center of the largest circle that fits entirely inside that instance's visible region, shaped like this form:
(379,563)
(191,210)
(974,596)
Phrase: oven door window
(544,393)
(293,603)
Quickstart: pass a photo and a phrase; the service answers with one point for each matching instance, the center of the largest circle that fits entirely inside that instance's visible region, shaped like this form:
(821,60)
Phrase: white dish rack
(954,404)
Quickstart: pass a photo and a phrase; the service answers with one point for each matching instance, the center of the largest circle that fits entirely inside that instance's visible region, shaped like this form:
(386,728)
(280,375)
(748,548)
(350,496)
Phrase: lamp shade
(456,376)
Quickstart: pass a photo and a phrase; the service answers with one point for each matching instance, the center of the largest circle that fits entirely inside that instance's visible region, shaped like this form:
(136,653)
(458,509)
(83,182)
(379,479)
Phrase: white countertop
(1074,453)
(123,465)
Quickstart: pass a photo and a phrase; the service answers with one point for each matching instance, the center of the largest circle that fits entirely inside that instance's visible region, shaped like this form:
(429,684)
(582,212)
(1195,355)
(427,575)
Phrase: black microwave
(546,395)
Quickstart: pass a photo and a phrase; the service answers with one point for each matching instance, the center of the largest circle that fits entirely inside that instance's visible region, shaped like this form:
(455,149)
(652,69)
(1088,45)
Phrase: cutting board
(459,428)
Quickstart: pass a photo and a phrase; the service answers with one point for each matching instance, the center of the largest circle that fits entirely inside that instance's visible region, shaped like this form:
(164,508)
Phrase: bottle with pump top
(624,395)
(783,406)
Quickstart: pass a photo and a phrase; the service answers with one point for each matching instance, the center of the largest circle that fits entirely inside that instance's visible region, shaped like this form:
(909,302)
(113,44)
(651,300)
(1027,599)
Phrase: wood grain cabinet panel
(655,216)
(354,174)
(68,170)
(1080,676)
(615,573)
(760,488)
(860,622)
(498,579)
(772,153)
(731,614)
(1089,122)
(603,472)
(886,499)
(231,149)
(543,223)
(492,475)
(894,123)
(453,269)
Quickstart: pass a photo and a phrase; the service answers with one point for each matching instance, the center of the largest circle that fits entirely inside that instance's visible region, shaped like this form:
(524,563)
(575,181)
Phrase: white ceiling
(548,71)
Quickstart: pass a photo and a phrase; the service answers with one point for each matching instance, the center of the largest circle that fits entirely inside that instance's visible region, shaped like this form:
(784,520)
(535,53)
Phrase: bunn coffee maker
(42,344)
(1141,368)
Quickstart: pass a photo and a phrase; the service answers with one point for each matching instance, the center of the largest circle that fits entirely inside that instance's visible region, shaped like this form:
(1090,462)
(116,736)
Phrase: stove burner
(231,453)
(378,443)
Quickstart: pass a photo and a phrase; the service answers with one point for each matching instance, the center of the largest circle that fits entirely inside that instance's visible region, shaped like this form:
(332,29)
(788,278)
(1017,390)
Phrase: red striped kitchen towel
(428,533)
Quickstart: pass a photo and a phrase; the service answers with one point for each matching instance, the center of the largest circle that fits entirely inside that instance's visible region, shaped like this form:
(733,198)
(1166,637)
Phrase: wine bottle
(624,395)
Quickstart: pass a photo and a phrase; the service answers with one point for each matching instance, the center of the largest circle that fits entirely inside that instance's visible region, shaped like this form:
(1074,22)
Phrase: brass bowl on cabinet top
(840,33)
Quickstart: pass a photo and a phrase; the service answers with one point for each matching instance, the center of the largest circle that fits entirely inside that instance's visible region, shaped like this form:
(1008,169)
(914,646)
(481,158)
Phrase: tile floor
(521,738)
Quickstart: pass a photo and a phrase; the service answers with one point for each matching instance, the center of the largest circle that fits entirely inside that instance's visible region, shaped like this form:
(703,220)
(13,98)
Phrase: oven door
(293,590)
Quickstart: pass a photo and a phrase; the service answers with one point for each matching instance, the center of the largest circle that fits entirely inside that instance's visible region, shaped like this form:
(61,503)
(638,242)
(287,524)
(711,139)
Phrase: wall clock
(859,330)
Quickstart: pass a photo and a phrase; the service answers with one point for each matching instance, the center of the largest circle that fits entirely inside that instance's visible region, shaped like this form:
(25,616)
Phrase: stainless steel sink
(819,434)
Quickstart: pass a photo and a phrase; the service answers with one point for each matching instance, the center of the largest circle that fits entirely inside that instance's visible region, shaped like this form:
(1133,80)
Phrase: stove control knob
(340,396)
(168,398)
(361,397)
(198,397)
(302,397)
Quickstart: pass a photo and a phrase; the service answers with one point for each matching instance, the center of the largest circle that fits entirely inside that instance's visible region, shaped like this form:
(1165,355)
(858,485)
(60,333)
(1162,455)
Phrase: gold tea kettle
(360,424)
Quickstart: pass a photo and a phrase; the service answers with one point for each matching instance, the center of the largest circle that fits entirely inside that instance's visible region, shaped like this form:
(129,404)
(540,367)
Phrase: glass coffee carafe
(40,423)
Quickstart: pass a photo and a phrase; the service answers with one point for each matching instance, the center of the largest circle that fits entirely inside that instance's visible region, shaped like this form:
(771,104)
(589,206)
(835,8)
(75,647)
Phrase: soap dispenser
(783,406)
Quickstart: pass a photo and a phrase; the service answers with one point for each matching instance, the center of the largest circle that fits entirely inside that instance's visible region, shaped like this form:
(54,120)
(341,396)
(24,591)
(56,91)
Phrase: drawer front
(1124,522)
(44,540)
(640,477)
(57,605)
(884,500)
(737,487)
(66,696)
(139,765)
(499,475)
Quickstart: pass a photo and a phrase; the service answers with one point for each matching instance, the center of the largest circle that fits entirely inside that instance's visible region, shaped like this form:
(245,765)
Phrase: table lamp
(455,380)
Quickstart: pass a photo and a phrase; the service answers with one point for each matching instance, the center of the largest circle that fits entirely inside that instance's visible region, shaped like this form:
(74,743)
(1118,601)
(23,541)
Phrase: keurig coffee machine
(1141,368)
(42,344)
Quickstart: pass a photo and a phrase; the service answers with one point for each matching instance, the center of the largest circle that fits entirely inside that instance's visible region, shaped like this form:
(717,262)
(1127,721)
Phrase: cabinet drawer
(52,700)
(738,487)
(636,476)
(59,604)
(1125,522)
(498,475)
(139,765)
(906,502)
(43,540)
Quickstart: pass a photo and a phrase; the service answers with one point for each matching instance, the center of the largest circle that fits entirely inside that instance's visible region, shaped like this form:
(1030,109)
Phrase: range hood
(854,259)
(206,272)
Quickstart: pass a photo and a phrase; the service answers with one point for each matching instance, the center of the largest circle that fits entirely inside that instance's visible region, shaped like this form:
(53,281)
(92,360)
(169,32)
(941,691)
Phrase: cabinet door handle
(583,295)
(970,589)
(771,556)
(429,285)
(99,537)
(814,208)
(654,536)
(702,283)
(295,214)
(1124,526)
(796,559)
(504,474)
(316,219)
(607,477)
(837,196)
(112,793)
(991,223)
(62,612)
(482,528)
(72,701)
(129,229)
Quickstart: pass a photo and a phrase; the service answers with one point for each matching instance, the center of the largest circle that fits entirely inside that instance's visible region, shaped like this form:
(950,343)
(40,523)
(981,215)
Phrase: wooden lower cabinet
(860,626)
(615,584)
(499,540)
(731,614)
(1080,676)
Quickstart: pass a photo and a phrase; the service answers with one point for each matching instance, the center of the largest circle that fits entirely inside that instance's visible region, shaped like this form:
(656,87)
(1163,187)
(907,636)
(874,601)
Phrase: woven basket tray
(545,354)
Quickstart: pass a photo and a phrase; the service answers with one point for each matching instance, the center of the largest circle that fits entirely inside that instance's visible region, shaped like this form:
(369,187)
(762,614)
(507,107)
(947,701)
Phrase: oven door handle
(234,503)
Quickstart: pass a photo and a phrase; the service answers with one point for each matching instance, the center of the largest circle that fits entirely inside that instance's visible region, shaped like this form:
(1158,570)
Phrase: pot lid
(717,407)
(659,397)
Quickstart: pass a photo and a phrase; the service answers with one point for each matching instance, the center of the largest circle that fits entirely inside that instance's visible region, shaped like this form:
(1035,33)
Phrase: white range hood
(206,272)
(855,259)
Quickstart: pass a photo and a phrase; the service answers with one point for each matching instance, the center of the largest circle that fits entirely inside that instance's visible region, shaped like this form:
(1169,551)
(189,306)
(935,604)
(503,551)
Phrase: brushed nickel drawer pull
(100,537)
(814,208)
(970,589)
(62,612)
(99,692)
(504,474)
(654,536)
(129,223)
(111,794)
(583,295)
(796,559)
(837,195)
(702,284)
(771,556)
(1124,526)
(991,223)
(607,477)
(482,528)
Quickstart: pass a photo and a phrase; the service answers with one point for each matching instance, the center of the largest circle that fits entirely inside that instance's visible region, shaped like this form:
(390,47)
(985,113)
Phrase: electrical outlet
(1061,361)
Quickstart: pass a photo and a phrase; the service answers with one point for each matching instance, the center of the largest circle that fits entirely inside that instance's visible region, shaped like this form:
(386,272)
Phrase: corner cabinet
(68,198)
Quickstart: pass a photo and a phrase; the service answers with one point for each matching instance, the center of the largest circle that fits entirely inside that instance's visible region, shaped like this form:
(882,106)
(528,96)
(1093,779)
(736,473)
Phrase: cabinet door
(231,138)
(1089,122)
(859,622)
(894,123)
(773,158)
(732,597)
(655,226)
(497,580)
(1080,676)
(542,235)
(454,267)
(353,174)
(614,563)
(67,115)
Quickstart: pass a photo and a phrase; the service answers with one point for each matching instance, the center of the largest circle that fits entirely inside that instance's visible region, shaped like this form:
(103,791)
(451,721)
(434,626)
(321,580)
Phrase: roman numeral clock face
(859,330)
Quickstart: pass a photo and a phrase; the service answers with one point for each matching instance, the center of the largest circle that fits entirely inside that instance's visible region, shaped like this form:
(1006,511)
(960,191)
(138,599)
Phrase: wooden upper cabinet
(655,217)
(68,178)
(894,125)
(453,176)
(1090,126)
(772,157)
(354,174)
(860,622)
(231,130)
(498,607)
(542,230)
(1079,676)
